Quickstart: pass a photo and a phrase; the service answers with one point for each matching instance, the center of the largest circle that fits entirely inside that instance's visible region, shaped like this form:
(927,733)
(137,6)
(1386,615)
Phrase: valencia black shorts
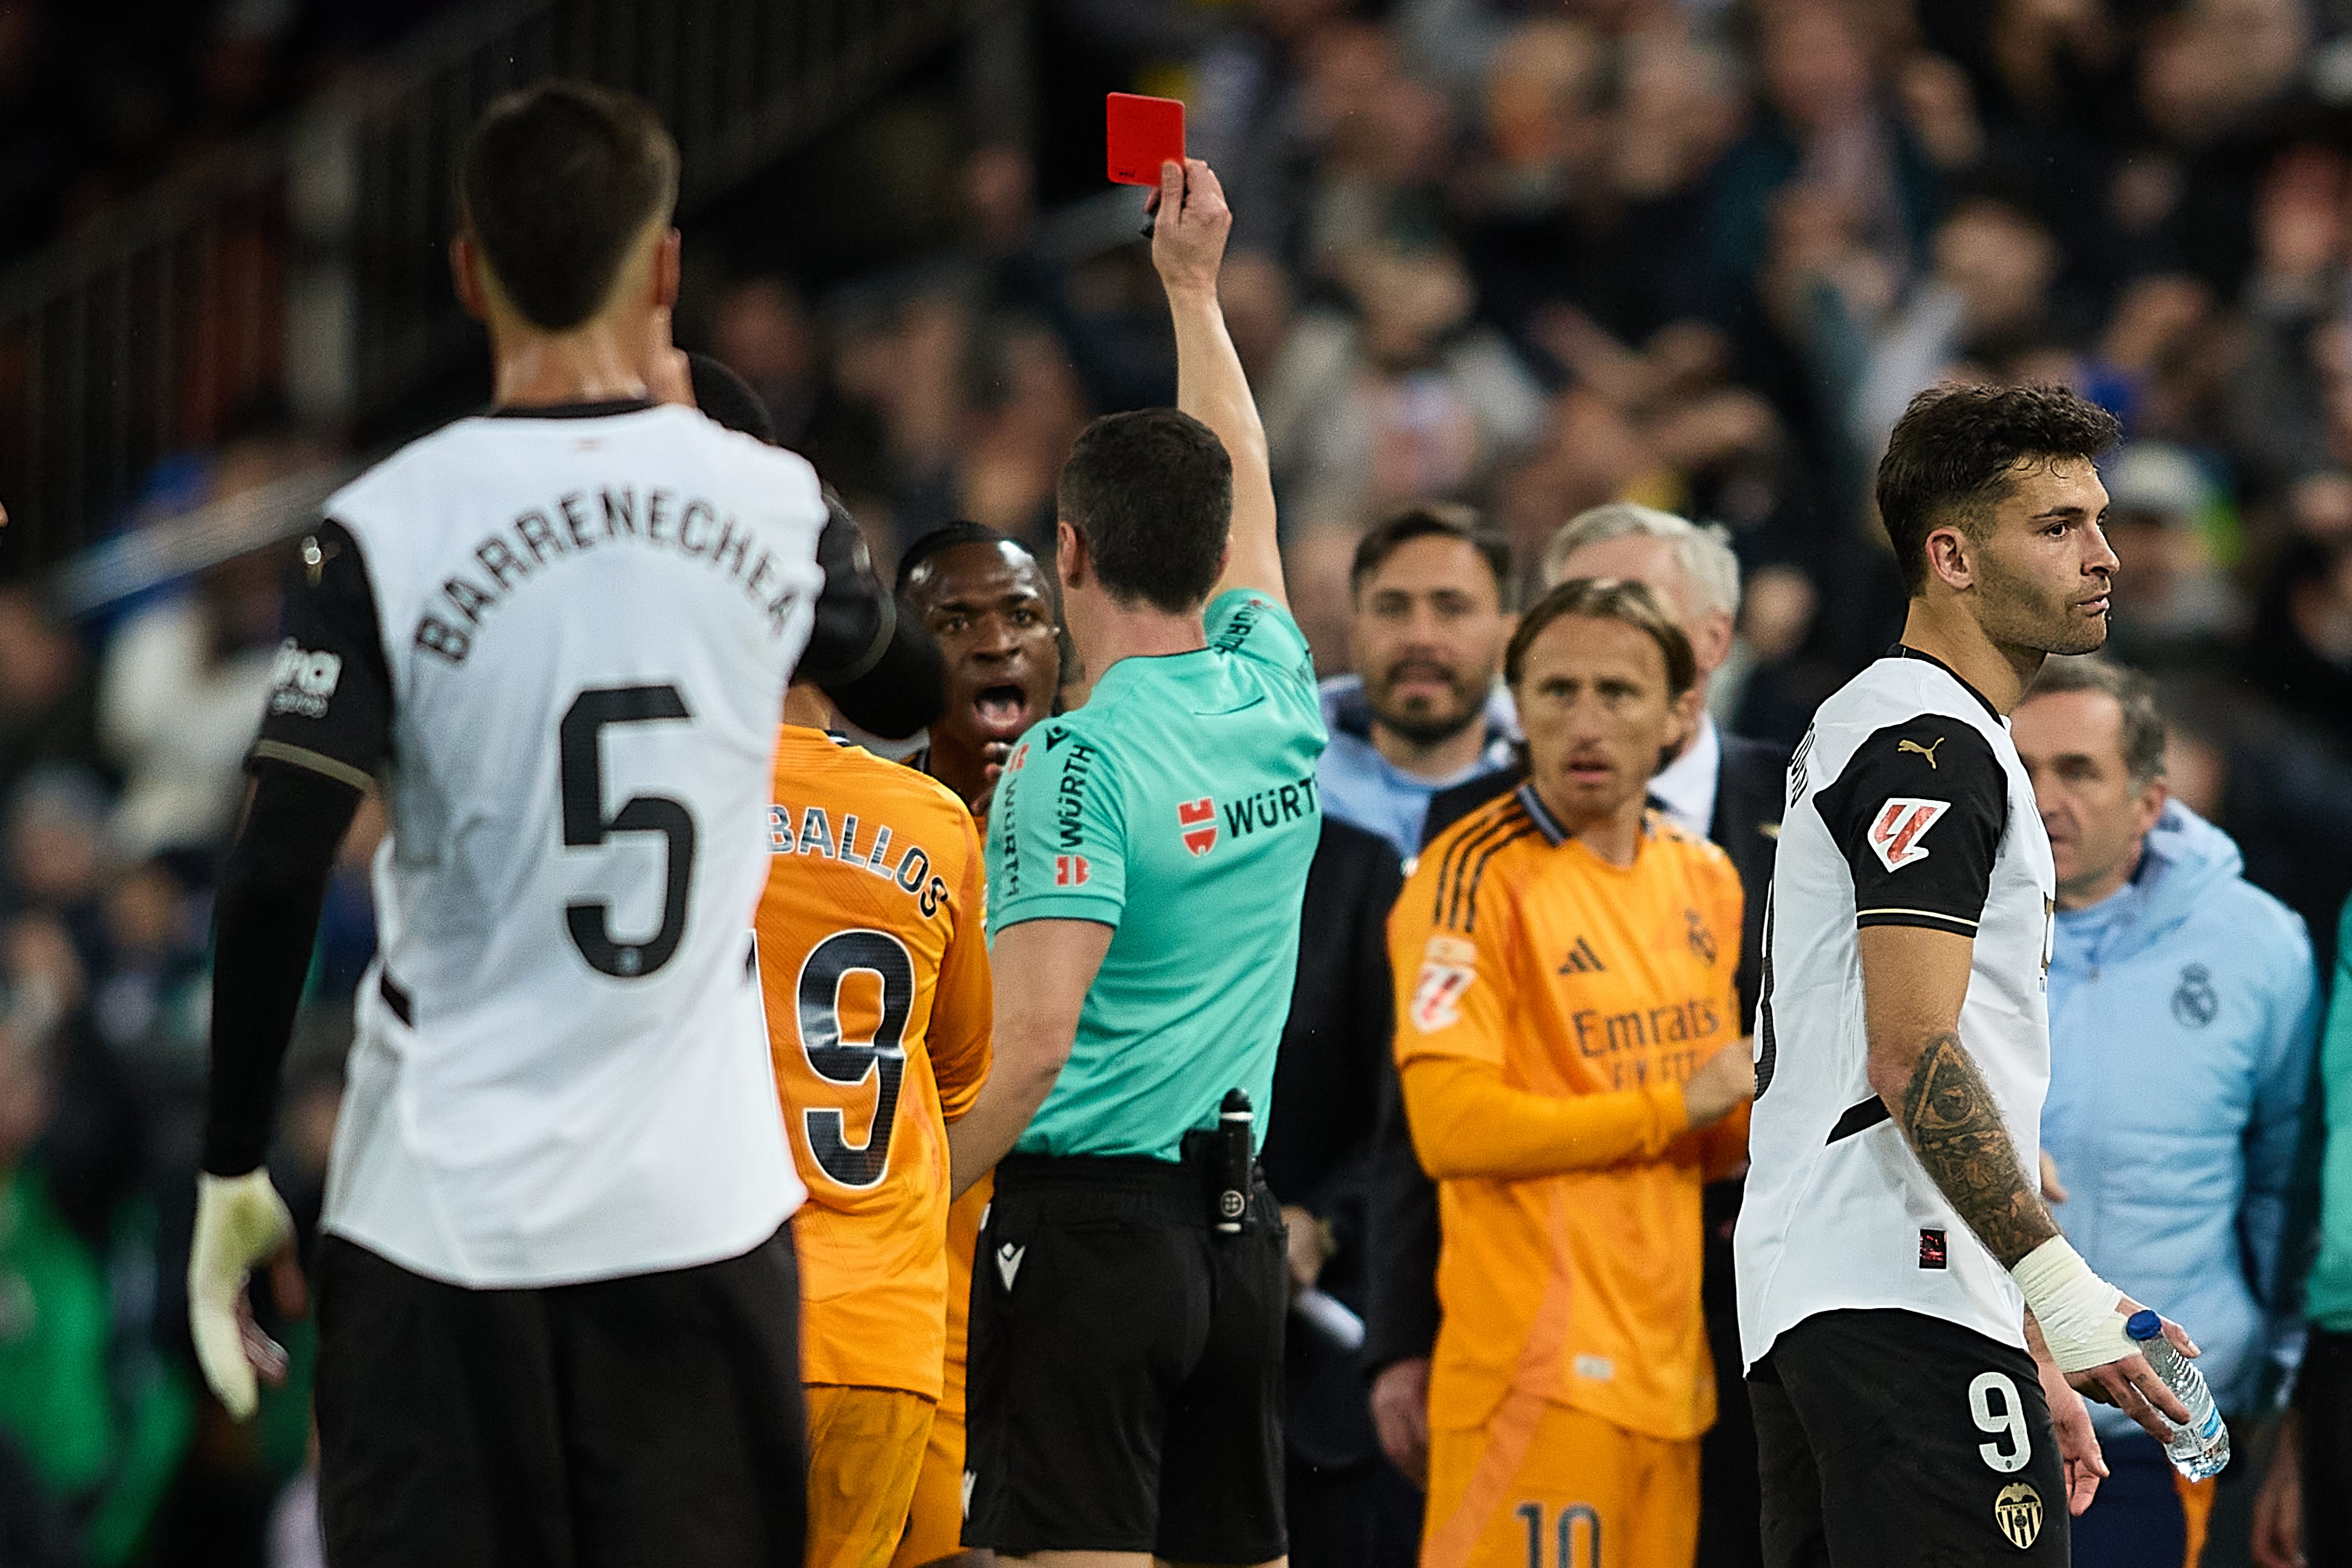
(651,1419)
(1893,1439)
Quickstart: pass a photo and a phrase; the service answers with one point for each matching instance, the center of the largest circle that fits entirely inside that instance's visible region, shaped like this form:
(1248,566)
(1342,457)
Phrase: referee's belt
(1158,1192)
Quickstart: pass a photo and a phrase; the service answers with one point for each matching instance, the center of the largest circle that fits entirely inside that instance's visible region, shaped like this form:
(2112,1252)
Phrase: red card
(1142,133)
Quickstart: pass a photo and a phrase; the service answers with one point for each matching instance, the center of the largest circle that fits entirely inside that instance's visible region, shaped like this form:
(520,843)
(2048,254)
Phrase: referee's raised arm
(1188,246)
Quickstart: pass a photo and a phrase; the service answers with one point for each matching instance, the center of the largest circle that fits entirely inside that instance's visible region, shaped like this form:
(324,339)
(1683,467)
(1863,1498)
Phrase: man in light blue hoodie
(2183,1007)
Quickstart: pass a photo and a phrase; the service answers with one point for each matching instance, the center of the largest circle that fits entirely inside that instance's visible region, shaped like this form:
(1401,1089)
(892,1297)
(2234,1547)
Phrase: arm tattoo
(1949,1116)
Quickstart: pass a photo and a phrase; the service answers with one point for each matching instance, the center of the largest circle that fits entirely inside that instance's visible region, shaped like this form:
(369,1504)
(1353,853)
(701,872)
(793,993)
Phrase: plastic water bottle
(2202,1448)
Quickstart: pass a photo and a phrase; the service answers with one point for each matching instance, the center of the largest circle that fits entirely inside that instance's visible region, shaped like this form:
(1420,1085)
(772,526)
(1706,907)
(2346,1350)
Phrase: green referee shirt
(1178,808)
(2327,1301)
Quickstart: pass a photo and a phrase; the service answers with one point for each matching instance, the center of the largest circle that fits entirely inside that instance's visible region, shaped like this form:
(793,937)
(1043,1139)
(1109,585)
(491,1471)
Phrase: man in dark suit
(1348,1508)
(1722,785)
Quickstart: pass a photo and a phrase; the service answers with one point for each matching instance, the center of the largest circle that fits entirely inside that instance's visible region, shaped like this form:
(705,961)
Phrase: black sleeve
(1345,1197)
(266,919)
(1400,1311)
(1918,813)
(881,669)
(331,692)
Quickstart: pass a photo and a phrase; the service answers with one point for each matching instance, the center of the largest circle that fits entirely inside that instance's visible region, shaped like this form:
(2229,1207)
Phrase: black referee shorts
(652,1420)
(1126,1367)
(1893,1439)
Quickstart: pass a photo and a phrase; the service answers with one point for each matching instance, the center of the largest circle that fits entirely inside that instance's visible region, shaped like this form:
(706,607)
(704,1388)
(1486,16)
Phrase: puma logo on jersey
(1927,751)
(1582,960)
(1008,1262)
(1895,833)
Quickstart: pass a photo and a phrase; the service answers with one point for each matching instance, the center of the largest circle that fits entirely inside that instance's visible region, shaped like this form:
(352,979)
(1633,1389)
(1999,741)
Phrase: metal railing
(307,263)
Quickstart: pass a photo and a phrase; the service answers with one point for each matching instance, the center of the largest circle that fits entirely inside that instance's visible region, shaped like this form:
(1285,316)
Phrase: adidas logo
(1008,1262)
(1582,960)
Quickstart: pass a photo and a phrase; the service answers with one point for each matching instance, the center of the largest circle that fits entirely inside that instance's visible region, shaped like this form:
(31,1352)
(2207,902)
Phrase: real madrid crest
(2017,1511)
(2194,1006)
(1702,941)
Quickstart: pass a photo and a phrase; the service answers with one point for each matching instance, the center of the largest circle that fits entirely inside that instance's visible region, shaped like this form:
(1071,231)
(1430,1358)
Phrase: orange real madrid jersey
(874,965)
(1549,1006)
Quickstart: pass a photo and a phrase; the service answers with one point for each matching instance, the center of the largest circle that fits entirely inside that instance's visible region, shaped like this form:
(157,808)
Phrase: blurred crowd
(1539,257)
(99,102)
(1529,257)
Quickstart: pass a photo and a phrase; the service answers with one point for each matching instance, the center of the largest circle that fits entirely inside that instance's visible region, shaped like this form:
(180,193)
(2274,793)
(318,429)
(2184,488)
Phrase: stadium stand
(1693,253)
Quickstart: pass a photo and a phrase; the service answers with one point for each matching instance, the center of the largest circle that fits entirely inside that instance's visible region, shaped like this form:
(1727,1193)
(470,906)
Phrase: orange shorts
(1544,1486)
(935,1517)
(2196,1511)
(935,1520)
(865,1448)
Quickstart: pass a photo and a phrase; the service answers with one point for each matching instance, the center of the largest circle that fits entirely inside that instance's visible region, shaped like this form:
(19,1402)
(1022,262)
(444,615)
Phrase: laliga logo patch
(1448,966)
(1197,820)
(1895,833)
(2017,1511)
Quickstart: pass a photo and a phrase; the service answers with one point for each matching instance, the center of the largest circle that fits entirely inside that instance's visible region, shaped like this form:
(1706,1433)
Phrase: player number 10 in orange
(1564,1536)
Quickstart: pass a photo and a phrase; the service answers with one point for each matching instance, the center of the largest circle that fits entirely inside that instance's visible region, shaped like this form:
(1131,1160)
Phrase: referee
(1146,859)
(557,1300)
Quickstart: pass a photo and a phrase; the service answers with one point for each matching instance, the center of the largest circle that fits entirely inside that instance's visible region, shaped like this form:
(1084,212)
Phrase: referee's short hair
(1607,599)
(2141,733)
(1950,457)
(1152,493)
(556,184)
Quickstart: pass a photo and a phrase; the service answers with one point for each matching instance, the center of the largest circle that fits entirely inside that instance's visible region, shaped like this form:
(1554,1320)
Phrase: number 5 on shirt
(580,751)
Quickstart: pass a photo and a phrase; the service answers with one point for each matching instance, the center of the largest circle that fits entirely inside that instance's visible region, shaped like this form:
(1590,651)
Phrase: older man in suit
(1725,786)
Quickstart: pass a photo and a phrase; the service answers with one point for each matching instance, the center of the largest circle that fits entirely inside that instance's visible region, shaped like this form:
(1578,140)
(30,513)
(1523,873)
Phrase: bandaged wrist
(2077,1308)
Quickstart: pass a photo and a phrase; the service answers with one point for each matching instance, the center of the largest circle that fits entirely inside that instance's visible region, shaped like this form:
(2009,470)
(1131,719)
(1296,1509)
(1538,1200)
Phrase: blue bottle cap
(2144,1325)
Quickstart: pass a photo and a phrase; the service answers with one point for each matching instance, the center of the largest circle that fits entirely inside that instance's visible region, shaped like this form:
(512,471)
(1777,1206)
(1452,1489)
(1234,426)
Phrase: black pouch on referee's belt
(1224,1163)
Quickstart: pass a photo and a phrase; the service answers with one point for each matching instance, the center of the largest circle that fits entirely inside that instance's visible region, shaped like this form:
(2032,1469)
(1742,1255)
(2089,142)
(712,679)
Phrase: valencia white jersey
(562,641)
(1906,806)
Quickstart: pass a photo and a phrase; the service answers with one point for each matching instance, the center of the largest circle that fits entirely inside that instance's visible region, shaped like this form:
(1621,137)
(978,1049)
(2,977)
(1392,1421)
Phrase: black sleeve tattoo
(1949,1116)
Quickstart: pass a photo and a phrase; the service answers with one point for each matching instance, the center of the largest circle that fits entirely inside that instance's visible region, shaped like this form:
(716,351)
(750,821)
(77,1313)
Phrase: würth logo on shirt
(1582,960)
(1895,831)
(1070,871)
(1197,820)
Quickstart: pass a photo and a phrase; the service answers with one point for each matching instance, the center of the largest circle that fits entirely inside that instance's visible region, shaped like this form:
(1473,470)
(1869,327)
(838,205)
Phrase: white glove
(240,1221)
(2080,1313)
